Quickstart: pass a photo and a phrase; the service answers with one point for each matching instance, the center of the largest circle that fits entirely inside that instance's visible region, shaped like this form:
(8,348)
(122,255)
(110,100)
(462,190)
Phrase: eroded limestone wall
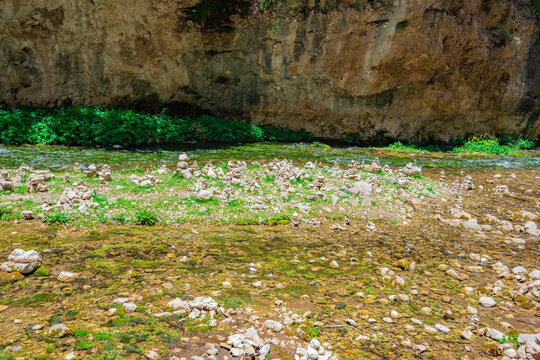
(395,69)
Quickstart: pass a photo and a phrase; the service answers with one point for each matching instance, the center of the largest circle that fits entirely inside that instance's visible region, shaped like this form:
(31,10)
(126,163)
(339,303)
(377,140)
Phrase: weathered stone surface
(387,69)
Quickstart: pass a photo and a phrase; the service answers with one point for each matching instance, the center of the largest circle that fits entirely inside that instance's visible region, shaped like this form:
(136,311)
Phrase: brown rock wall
(397,69)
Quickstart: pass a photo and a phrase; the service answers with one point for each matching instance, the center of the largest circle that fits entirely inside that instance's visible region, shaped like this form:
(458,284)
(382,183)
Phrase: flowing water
(59,157)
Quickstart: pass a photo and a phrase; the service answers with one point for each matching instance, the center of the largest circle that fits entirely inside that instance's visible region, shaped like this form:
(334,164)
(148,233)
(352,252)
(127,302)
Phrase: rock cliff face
(404,69)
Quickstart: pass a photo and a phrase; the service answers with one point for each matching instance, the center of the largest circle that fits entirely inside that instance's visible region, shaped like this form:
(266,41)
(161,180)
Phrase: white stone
(121,301)
(22,261)
(535,274)
(487,301)
(442,328)
(236,352)
(66,276)
(130,307)
(58,330)
(273,325)
(494,334)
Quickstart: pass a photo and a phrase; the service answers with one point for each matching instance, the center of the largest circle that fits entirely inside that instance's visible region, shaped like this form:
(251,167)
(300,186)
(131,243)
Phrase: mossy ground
(118,259)
(173,202)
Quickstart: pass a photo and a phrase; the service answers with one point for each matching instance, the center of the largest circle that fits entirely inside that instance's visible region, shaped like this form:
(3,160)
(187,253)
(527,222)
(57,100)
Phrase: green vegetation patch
(98,126)
(31,299)
(492,145)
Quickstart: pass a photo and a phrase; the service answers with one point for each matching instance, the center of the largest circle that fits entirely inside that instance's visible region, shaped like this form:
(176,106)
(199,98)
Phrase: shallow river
(58,157)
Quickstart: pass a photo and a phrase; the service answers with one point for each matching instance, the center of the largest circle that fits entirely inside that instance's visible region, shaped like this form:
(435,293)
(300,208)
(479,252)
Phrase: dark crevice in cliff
(214,15)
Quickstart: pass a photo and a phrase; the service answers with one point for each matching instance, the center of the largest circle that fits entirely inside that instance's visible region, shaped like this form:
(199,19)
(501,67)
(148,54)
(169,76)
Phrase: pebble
(130,307)
(59,330)
(487,301)
(121,301)
(66,276)
(466,334)
(273,325)
(442,328)
(494,334)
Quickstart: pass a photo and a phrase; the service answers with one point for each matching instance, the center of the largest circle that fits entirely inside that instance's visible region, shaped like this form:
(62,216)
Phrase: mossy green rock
(43,271)
(10,277)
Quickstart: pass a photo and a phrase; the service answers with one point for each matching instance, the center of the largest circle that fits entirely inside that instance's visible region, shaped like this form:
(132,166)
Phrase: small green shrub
(120,218)
(146,218)
(485,144)
(42,271)
(313,331)
(100,199)
(5,212)
(353,139)
(399,146)
(57,218)
(272,133)
(523,144)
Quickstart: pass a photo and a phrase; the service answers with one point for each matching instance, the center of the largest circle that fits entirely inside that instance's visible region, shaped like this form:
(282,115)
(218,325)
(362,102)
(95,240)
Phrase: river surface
(59,157)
